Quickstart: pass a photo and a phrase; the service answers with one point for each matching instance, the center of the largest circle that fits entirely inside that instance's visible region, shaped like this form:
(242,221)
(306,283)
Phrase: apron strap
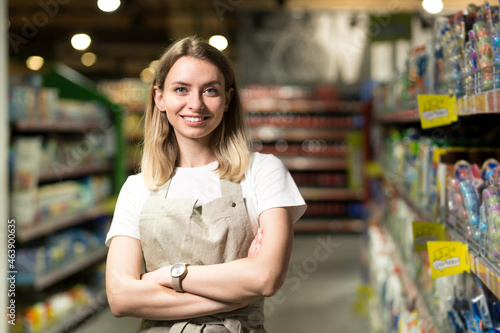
(228,187)
(163,190)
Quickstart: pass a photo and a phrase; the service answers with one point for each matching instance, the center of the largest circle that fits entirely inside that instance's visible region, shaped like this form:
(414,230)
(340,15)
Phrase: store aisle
(318,295)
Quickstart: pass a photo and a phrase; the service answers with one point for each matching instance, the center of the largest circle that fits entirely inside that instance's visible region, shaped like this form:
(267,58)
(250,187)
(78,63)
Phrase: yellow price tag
(424,232)
(436,110)
(448,258)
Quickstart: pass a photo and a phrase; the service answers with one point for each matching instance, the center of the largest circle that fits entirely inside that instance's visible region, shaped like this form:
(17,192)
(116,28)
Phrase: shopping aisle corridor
(317,297)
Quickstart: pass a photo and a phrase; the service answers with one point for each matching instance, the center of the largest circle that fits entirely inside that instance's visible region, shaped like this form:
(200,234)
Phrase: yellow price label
(424,232)
(448,258)
(436,110)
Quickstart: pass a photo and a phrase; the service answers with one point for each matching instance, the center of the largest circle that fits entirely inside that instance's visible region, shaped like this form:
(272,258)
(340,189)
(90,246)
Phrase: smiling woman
(211,220)
(194,99)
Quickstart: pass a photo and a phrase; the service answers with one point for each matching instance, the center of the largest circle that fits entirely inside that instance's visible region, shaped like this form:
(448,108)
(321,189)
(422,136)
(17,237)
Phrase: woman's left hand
(161,276)
(255,246)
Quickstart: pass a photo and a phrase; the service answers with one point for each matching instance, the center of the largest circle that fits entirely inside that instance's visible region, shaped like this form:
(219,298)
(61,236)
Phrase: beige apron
(177,230)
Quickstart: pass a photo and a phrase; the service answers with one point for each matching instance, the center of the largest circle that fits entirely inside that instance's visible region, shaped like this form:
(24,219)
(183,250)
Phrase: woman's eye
(211,91)
(181,90)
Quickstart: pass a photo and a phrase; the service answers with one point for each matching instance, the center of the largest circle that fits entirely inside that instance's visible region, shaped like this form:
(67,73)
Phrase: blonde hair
(229,140)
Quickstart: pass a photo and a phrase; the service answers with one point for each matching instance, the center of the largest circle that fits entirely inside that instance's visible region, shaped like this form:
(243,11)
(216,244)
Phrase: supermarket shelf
(402,194)
(328,193)
(45,281)
(484,103)
(55,126)
(299,163)
(299,106)
(484,268)
(329,225)
(411,288)
(81,316)
(402,116)
(50,226)
(66,172)
(270,133)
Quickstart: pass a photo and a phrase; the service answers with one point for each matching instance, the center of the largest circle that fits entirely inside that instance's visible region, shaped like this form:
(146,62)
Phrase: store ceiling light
(432,6)
(34,63)
(80,41)
(108,5)
(218,41)
(88,59)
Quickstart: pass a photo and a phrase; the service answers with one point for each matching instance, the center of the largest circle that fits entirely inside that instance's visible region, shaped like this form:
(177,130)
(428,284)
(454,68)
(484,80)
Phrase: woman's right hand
(254,247)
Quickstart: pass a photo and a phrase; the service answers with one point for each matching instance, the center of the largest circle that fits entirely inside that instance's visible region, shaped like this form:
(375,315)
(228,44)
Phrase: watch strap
(176,284)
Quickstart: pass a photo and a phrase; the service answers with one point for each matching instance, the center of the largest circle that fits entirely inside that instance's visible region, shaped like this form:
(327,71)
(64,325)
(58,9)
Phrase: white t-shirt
(267,184)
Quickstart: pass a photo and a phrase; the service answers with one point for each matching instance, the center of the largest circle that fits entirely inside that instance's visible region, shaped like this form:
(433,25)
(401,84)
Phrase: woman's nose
(195,102)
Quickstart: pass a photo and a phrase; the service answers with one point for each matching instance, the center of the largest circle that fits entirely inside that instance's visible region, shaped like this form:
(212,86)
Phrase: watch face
(177,270)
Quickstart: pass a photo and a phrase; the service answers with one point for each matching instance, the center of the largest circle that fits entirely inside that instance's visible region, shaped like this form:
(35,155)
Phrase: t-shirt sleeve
(274,186)
(127,211)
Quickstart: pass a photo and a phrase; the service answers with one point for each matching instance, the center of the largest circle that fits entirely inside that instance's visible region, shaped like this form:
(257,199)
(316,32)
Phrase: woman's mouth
(194,119)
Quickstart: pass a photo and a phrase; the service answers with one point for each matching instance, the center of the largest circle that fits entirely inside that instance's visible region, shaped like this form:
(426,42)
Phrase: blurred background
(317,79)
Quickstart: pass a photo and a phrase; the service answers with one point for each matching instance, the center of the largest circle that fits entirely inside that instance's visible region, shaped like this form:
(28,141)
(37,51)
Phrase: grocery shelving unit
(468,109)
(310,136)
(71,86)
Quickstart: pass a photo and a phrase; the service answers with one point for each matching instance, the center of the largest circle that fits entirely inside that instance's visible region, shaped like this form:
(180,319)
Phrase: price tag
(436,110)
(448,258)
(424,232)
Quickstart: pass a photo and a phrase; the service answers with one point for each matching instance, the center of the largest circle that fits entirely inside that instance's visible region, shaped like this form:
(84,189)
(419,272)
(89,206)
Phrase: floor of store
(319,295)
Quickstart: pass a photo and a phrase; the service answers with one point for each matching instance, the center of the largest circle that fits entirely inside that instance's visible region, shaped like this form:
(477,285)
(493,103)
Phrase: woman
(212,221)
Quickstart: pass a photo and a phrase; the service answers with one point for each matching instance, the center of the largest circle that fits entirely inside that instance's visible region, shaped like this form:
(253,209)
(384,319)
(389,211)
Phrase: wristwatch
(178,272)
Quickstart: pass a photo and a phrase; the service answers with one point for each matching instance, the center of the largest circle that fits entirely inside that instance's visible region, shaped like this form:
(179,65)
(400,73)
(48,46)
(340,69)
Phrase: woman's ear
(229,98)
(158,96)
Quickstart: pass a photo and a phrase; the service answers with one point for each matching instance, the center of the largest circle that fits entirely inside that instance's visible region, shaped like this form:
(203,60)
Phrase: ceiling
(127,40)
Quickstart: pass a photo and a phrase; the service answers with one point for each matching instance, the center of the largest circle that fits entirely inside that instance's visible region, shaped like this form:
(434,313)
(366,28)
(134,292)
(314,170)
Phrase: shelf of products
(397,290)
(82,313)
(448,175)
(55,224)
(317,136)
(65,309)
(93,257)
(65,166)
(55,126)
(74,172)
(425,179)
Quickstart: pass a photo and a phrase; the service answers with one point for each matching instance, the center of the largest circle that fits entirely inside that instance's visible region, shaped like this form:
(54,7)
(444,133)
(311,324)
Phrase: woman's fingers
(254,247)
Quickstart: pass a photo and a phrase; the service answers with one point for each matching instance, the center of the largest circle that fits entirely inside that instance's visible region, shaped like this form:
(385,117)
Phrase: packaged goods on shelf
(29,103)
(276,91)
(62,153)
(461,60)
(130,92)
(76,110)
(59,199)
(25,162)
(305,148)
(58,251)
(327,179)
(446,304)
(54,313)
(300,120)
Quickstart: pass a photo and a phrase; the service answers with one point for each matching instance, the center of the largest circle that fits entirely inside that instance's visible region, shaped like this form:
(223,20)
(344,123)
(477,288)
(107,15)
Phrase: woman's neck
(193,155)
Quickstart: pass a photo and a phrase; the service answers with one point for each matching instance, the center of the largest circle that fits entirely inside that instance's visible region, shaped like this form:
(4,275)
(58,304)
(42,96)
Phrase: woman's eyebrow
(205,84)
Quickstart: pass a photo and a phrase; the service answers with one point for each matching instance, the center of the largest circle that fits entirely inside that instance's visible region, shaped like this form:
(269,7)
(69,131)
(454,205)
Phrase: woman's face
(194,98)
